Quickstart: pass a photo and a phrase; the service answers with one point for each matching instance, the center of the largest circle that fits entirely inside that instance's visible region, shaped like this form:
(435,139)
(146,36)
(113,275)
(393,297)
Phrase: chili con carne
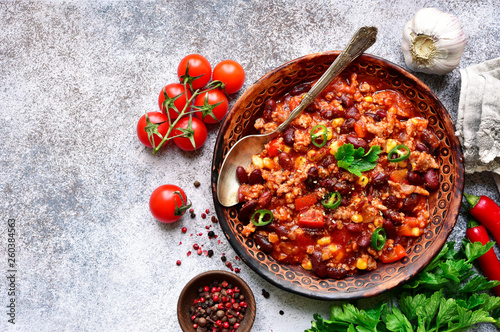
(487,212)
(397,151)
(488,262)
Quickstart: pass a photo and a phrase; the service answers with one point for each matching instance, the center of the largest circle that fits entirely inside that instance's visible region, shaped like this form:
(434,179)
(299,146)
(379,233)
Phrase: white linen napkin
(478,124)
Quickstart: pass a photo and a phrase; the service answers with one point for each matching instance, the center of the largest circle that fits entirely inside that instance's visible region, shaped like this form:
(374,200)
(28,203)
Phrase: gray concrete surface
(75,76)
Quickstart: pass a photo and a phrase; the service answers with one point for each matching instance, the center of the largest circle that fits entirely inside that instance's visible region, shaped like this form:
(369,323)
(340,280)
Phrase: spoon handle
(360,42)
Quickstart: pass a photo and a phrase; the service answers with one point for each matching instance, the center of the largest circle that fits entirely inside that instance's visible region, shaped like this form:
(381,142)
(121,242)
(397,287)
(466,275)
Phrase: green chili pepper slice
(332,200)
(262,221)
(397,150)
(378,239)
(319,132)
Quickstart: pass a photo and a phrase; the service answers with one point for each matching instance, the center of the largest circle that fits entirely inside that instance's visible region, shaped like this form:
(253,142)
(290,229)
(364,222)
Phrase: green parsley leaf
(397,322)
(356,160)
(475,250)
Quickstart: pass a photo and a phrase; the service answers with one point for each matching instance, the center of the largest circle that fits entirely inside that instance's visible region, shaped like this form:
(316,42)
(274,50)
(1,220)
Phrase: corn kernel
(307,265)
(362,263)
(339,256)
(391,144)
(287,149)
(363,181)
(267,163)
(300,162)
(402,164)
(334,147)
(378,222)
(369,99)
(329,134)
(312,154)
(341,108)
(357,218)
(273,237)
(276,160)
(333,248)
(257,161)
(415,231)
(310,249)
(337,122)
(324,241)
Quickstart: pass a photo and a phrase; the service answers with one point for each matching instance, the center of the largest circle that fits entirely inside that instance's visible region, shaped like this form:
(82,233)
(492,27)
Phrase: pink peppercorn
(203,215)
(225,325)
(207,211)
(178,262)
(184,229)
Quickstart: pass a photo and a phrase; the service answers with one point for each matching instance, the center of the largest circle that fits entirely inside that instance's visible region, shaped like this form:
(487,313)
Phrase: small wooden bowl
(190,292)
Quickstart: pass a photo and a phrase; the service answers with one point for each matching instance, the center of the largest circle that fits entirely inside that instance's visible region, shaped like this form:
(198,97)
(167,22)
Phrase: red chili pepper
(488,262)
(487,212)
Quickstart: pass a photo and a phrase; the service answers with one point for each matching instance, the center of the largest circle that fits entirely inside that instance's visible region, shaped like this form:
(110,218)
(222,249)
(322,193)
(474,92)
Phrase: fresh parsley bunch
(448,295)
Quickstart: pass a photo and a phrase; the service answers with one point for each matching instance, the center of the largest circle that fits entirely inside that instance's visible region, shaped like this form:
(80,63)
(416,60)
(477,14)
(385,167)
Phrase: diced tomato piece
(360,129)
(305,202)
(312,218)
(294,102)
(275,147)
(392,255)
(399,175)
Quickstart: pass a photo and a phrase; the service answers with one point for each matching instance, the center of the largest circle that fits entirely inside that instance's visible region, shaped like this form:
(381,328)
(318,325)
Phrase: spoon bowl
(241,153)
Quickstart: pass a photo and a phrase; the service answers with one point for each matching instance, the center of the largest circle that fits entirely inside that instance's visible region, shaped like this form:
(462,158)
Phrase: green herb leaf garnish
(356,160)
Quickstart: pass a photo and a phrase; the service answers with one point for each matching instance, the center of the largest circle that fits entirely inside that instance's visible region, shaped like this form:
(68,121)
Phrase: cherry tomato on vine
(173,95)
(212,106)
(199,72)
(168,203)
(231,73)
(195,131)
(154,117)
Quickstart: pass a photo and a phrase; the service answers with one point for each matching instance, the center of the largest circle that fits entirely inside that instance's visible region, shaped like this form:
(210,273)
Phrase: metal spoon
(241,153)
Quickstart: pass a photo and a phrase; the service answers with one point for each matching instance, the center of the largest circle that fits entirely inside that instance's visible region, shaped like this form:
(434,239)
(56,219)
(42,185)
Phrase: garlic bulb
(433,42)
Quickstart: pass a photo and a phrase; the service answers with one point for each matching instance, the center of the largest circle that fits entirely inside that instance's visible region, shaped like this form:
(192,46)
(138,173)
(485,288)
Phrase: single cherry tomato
(231,73)
(212,106)
(154,117)
(168,203)
(199,72)
(195,133)
(173,95)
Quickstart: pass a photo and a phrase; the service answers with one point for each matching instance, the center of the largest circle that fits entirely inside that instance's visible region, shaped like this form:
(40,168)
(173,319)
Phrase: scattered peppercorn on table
(86,254)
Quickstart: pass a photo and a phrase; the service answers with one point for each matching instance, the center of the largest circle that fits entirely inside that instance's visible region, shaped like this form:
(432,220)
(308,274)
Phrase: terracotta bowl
(190,292)
(444,204)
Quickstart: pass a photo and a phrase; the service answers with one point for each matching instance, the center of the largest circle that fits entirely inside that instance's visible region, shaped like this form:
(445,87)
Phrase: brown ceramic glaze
(190,292)
(444,204)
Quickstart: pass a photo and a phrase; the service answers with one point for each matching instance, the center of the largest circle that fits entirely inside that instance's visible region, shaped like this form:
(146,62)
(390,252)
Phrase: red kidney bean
(382,113)
(410,202)
(392,202)
(395,217)
(356,141)
(347,126)
(289,136)
(269,109)
(327,161)
(364,241)
(318,266)
(430,140)
(241,174)
(379,179)
(255,177)
(354,228)
(263,243)
(265,199)
(345,201)
(415,179)
(312,177)
(241,197)
(390,229)
(328,184)
(342,188)
(421,147)
(285,160)
(327,114)
(353,113)
(336,273)
(431,180)
(373,116)
(247,210)
(300,89)
(346,101)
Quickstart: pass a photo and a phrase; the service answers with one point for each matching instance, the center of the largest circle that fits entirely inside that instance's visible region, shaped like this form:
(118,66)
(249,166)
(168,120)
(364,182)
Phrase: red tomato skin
(200,134)
(162,203)
(231,73)
(154,117)
(198,65)
(214,97)
(173,90)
